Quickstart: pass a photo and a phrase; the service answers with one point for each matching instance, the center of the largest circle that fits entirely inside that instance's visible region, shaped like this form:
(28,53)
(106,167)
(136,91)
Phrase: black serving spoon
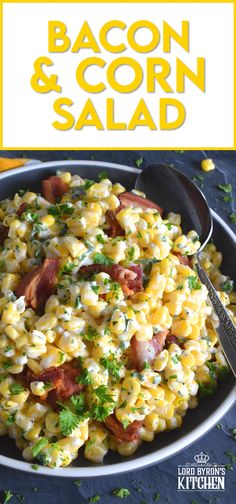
(175,192)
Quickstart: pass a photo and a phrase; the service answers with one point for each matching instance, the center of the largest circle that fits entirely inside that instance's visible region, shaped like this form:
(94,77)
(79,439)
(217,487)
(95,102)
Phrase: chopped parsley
(34,467)
(194,283)
(72,414)
(88,184)
(11,418)
(95,288)
(121,492)
(103,396)
(64,229)
(78,303)
(95,498)
(7,364)
(227,188)
(100,239)
(30,216)
(229,467)
(7,496)
(231,456)
(61,356)
(47,385)
(206,389)
(77,483)
(102,259)
(104,404)
(68,421)
(212,370)
(131,253)
(232,218)
(147,264)
(21,192)
(175,358)
(168,225)
(37,448)
(84,378)
(62,209)
(102,175)
(16,388)
(90,334)
(227,199)
(125,423)
(139,161)
(227,286)
(222,372)
(112,364)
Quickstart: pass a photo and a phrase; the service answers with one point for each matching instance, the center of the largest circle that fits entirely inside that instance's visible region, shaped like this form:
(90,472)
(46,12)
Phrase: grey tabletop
(159,482)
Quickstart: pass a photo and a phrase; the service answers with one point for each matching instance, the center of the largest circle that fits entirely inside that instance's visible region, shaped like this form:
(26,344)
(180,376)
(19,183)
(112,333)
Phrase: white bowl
(197,422)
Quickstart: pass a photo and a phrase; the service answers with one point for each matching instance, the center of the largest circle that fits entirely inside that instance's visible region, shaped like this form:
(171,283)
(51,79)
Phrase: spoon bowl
(175,192)
(172,190)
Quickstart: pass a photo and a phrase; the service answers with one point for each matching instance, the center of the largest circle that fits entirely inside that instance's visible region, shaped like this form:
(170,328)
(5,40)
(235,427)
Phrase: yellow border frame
(112,148)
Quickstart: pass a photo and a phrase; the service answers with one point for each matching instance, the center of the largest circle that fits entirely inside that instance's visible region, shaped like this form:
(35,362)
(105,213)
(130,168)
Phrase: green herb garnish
(16,388)
(104,405)
(139,161)
(37,448)
(95,498)
(102,175)
(72,414)
(84,378)
(227,188)
(7,496)
(112,364)
(227,286)
(121,492)
(90,334)
(232,218)
(100,239)
(194,283)
(102,259)
(131,253)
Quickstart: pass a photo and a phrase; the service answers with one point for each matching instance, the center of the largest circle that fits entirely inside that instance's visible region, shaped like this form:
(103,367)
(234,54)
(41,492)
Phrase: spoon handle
(226,330)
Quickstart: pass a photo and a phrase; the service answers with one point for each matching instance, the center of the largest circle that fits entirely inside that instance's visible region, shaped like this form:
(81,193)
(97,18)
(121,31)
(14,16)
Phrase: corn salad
(90,321)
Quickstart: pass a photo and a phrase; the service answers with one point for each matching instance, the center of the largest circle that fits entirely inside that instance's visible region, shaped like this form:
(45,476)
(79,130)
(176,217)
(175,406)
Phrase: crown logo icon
(201,458)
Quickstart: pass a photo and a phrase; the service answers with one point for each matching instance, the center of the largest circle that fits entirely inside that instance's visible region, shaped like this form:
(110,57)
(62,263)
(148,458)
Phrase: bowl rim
(157,455)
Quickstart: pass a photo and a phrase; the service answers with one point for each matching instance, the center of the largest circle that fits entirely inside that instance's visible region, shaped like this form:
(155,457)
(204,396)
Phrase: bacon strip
(3,233)
(131,199)
(54,188)
(39,283)
(5,229)
(62,380)
(22,208)
(183,259)
(146,351)
(130,279)
(115,229)
(132,433)
(170,338)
